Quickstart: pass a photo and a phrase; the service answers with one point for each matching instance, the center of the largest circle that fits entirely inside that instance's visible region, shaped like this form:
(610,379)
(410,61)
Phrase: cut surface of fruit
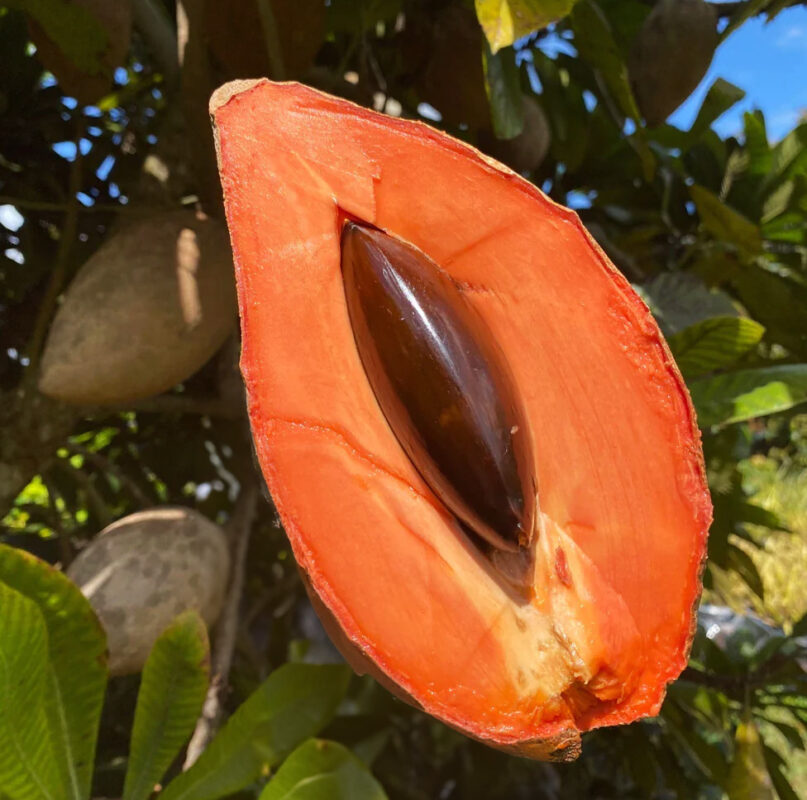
(524,650)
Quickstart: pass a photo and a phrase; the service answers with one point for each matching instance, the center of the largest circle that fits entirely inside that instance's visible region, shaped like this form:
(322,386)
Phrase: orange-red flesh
(603,619)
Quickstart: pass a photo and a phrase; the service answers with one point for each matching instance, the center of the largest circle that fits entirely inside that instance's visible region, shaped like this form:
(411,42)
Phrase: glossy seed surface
(442,384)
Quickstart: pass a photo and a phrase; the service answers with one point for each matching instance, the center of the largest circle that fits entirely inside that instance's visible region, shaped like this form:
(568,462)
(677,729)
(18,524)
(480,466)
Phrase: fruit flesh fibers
(521,653)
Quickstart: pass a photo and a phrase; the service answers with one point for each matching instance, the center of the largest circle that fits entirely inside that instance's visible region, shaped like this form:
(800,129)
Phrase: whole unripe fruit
(145,312)
(671,55)
(525,152)
(143,570)
(448,65)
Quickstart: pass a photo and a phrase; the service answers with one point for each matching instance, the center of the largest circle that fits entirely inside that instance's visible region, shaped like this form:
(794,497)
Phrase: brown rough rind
(145,312)
(143,570)
(671,55)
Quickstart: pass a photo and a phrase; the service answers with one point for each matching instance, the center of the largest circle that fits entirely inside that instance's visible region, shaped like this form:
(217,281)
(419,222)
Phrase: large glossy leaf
(680,300)
(724,223)
(169,702)
(76,30)
(714,344)
(748,778)
(291,705)
(741,395)
(779,302)
(721,96)
(28,770)
(504,93)
(504,21)
(323,770)
(76,668)
(596,45)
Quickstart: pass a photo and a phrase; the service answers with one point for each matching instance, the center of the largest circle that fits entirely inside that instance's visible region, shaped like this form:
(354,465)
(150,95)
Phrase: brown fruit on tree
(450,76)
(671,55)
(145,312)
(525,152)
(143,570)
(236,37)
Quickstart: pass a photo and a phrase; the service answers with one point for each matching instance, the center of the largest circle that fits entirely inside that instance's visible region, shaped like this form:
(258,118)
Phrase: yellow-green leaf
(169,702)
(504,21)
(714,344)
(723,222)
(747,393)
(748,778)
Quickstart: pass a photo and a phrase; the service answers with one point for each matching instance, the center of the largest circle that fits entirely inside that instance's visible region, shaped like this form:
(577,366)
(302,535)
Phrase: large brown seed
(442,383)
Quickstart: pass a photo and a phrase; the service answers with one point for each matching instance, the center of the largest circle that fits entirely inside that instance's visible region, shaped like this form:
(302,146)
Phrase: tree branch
(106,464)
(187,404)
(227,628)
(58,275)
(272,39)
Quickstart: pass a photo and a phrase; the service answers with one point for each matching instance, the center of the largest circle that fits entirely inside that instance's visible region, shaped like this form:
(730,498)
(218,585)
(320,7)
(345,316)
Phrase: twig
(187,404)
(196,86)
(94,499)
(155,27)
(108,465)
(272,39)
(227,629)
(66,552)
(58,275)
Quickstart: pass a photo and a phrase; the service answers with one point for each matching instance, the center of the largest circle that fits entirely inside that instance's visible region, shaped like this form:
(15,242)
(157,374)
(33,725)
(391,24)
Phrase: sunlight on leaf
(504,21)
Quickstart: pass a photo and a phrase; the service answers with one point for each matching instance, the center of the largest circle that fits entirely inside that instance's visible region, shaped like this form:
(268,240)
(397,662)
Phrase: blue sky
(768,61)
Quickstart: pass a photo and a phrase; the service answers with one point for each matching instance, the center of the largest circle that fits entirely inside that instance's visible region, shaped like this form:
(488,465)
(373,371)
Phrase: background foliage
(103,119)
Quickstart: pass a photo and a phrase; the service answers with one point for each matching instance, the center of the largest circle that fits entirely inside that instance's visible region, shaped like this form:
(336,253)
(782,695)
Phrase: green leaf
(679,300)
(74,28)
(504,92)
(723,222)
(596,44)
(714,344)
(504,21)
(76,670)
(172,692)
(744,11)
(748,778)
(291,705)
(748,393)
(323,770)
(744,566)
(28,770)
(721,96)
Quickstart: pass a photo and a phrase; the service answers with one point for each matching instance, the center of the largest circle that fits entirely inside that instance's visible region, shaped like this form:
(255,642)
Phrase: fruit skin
(446,59)
(617,564)
(671,54)
(234,32)
(145,312)
(143,570)
(525,152)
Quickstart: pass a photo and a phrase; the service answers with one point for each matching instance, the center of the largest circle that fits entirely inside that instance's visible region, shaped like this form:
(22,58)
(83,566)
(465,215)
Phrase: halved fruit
(585,623)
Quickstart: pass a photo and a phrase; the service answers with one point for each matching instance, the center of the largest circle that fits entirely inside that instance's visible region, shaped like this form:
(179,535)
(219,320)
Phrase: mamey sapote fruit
(145,312)
(235,34)
(671,54)
(579,623)
(524,152)
(442,47)
(143,570)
